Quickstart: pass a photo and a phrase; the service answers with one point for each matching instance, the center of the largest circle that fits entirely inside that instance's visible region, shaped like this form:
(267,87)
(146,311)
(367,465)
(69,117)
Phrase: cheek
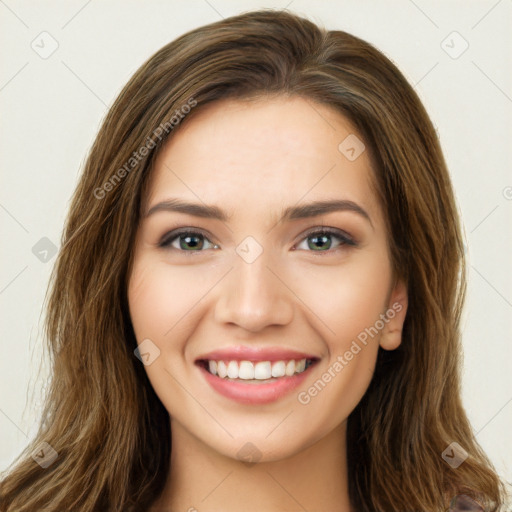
(150,301)
(349,300)
(160,297)
(346,298)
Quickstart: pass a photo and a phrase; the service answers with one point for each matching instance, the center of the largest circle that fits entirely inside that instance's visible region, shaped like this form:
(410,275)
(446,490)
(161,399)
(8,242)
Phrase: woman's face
(245,289)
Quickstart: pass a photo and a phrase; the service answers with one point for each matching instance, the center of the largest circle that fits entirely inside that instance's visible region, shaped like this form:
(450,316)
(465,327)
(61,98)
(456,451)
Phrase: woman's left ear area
(391,335)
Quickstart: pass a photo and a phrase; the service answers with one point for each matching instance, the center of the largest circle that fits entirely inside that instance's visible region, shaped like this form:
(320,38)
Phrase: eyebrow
(304,211)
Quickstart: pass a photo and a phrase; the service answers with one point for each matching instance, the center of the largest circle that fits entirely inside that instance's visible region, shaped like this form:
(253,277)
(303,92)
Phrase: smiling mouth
(255,371)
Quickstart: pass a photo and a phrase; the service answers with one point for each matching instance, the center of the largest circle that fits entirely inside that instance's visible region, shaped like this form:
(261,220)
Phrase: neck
(201,479)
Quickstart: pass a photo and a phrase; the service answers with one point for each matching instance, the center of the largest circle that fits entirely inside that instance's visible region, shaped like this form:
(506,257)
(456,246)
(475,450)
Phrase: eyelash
(345,240)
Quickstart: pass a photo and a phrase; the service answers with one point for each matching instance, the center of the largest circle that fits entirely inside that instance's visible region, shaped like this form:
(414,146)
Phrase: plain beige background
(63,63)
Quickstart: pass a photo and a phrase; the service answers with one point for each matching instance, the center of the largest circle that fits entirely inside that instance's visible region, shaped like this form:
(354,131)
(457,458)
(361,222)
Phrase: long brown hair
(101,415)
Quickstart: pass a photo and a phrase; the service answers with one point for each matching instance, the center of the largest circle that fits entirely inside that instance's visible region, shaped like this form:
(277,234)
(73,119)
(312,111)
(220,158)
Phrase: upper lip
(241,353)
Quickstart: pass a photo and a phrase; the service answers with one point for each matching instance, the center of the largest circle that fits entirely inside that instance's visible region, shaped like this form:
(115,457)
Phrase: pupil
(187,240)
(315,244)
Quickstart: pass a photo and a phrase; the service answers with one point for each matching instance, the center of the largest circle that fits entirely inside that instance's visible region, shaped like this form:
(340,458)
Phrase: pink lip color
(247,393)
(241,353)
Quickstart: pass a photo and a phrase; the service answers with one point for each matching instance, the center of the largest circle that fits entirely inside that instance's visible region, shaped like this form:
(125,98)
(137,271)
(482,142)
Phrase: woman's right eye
(186,241)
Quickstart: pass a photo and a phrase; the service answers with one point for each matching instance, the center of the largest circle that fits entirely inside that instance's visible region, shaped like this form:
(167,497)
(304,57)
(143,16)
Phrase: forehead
(253,154)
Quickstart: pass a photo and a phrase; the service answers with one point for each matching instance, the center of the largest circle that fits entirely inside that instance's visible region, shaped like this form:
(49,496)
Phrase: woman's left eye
(319,239)
(316,241)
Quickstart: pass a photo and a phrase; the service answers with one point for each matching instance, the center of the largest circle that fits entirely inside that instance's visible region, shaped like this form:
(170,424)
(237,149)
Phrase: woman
(206,355)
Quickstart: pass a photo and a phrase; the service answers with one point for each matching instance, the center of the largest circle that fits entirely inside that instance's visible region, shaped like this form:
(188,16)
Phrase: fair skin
(253,160)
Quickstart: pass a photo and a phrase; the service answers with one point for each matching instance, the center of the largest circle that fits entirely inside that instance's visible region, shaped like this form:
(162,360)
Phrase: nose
(254,296)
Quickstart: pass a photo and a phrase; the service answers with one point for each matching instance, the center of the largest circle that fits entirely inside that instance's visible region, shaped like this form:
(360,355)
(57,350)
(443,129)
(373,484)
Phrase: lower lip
(251,393)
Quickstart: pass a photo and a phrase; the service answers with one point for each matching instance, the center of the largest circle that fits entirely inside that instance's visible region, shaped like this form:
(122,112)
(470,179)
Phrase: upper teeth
(261,370)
